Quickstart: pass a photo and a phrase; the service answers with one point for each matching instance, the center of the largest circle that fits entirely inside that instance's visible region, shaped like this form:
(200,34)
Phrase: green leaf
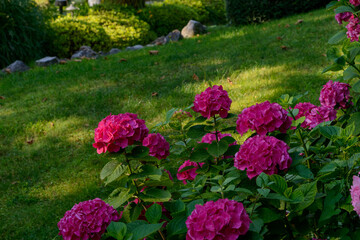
(334,67)
(117,173)
(169,115)
(355,119)
(356,87)
(120,199)
(262,180)
(329,210)
(244,190)
(176,226)
(268,215)
(175,207)
(196,131)
(264,192)
(256,225)
(353,160)
(309,191)
(108,169)
(141,229)
(217,149)
(304,172)
(333,53)
(330,131)
(153,213)
(350,73)
(139,152)
(343,9)
(228,140)
(232,150)
(155,195)
(353,53)
(191,206)
(199,155)
(117,230)
(278,183)
(338,37)
(148,171)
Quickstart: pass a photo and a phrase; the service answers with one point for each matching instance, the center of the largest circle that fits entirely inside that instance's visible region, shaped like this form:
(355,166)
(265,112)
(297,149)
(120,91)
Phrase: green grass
(48,114)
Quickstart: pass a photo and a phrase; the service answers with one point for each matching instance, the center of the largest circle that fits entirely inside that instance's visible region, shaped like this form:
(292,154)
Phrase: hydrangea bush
(285,170)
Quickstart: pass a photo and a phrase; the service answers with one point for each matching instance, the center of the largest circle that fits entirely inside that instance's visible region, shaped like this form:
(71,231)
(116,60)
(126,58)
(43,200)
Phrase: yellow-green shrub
(101,32)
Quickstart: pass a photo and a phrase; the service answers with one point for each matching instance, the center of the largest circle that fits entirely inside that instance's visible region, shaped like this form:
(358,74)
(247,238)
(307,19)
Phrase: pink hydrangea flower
(343,17)
(211,137)
(304,109)
(214,100)
(335,95)
(355,2)
(353,29)
(318,115)
(263,118)
(119,131)
(223,219)
(262,154)
(87,220)
(181,114)
(158,146)
(355,194)
(189,174)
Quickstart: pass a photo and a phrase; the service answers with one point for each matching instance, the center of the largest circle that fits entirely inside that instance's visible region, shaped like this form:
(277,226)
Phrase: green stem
(288,227)
(305,149)
(216,132)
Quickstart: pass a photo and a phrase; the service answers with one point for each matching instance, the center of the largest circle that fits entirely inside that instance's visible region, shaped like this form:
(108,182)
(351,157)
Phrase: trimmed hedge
(209,11)
(249,11)
(102,31)
(163,18)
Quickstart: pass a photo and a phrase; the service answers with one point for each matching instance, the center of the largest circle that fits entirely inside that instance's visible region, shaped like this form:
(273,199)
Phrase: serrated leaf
(176,226)
(118,172)
(262,180)
(304,172)
(199,155)
(309,191)
(343,9)
(355,119)
(153,213)
(141,229)
(139,152)
(277,183)
(217,149)
(197,131)
(338,37)
(108,169)
(155,195)
(148,171)
(268,215)
(264,192)
(120,199)
(329,210)
(350,73)
(191,206)
(117,230)
(330,131)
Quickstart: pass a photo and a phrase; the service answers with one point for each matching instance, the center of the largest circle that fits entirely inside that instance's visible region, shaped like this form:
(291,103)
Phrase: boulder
(150,45)
(192,29)
(174,36)
(85,51)
(114,51)
(160,41)
(136,47)
(17,66)
(47,61)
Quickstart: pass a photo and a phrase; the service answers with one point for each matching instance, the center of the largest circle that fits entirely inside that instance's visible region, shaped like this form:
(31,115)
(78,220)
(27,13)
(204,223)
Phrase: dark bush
(209,11)
(101,31)
(163,18)
(23,32)
(249,11)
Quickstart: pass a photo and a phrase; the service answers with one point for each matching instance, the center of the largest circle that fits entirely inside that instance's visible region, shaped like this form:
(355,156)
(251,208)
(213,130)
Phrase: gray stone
(192,29)
(114,51)
(85,51)
(150,45)
(47,61)
(160,41)
(136,47)
(174,36)
(17,66)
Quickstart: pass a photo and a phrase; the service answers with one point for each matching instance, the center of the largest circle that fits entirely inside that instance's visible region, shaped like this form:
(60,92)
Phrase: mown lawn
(48,114)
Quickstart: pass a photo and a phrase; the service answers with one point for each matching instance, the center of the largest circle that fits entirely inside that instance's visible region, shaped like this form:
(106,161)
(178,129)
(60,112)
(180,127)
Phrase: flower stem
(216,132)
(304,146)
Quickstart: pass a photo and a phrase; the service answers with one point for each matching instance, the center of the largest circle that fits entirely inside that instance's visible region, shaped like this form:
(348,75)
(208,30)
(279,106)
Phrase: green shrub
(163,18)
(23,32)
(209,11)
(248,11)
(101,31)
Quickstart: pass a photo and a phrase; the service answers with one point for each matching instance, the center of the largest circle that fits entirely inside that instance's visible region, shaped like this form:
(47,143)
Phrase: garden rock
(85,51)
(192,29)
(17,66)
(114,51)
(174,36)
(47,61)
(136,47)
(160,41)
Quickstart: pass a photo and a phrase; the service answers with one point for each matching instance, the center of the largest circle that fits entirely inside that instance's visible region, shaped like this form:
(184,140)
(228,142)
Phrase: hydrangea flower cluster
(181,114)
(223,219)
(214,100)
(189,174)
(353,29)
(158,146)
(87,220)
(355,2)
(304,109)
(343,17)
(119,131)
(355,194)
(262,154)
(335,95)
(263,118)
(318,115)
